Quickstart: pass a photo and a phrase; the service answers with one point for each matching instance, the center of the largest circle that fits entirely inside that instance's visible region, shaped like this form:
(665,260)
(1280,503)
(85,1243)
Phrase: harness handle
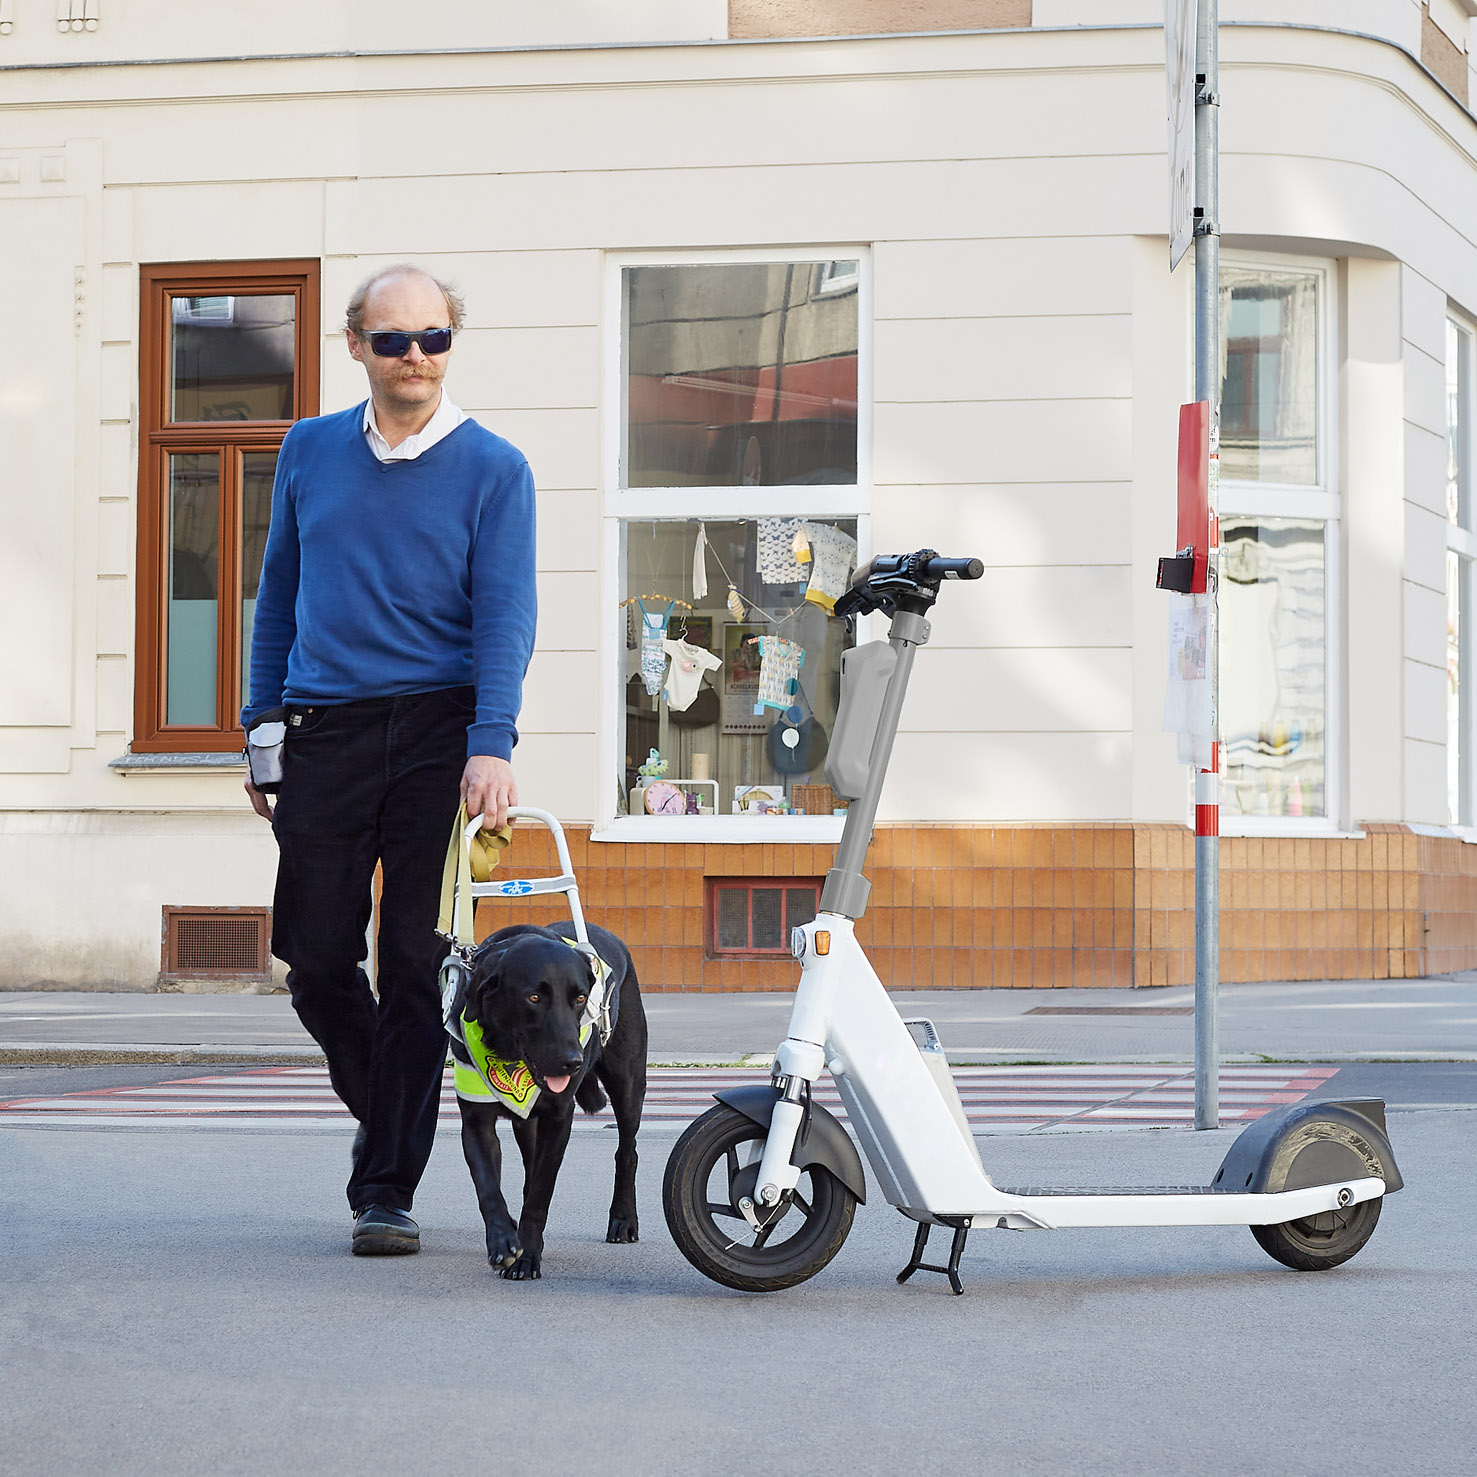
(466,891)
(457,928)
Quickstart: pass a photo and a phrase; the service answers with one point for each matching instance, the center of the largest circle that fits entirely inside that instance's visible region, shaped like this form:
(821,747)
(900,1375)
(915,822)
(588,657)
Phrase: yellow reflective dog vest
(480,1077)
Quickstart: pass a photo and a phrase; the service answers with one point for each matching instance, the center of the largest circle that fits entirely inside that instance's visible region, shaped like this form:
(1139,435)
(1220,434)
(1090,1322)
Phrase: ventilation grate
(752,917)
(216,941)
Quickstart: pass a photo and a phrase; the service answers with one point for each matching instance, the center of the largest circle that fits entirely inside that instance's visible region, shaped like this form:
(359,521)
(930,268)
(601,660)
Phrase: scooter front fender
(822,1139)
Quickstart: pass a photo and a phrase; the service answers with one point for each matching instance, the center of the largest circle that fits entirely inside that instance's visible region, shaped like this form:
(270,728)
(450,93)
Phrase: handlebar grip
(954,569)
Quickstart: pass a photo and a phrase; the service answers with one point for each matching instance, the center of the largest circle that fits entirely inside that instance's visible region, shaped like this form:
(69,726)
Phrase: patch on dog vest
(484,1078)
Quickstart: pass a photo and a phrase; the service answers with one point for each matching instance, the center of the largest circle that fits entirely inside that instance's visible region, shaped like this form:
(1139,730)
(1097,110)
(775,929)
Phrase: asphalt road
(184,1302)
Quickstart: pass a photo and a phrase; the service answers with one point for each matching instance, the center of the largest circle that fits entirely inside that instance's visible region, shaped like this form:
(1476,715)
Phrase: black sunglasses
(392,344)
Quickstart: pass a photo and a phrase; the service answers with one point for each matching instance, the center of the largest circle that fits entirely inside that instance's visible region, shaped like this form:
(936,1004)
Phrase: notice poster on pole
(1179,70)
(1188,706)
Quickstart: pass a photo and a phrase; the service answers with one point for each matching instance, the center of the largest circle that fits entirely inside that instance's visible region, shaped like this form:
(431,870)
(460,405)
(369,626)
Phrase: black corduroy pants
(366,782)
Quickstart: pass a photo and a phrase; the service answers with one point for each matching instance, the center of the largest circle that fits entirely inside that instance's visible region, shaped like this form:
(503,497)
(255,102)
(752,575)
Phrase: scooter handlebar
(888,578)
(954,569)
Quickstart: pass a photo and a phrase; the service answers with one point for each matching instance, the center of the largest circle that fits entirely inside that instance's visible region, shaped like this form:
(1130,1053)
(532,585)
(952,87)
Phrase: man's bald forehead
(400,271)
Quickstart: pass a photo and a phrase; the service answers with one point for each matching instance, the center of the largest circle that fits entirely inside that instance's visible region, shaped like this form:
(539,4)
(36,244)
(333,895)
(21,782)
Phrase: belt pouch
(264,740)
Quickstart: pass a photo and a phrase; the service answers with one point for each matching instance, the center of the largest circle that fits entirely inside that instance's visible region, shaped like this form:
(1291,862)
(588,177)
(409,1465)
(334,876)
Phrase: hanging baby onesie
(777,562)
(653,645)
(700,564)
(685,675)
(832,554)
(779,672)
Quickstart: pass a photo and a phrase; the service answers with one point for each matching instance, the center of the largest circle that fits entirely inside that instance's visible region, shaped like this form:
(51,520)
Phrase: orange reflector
(823,942)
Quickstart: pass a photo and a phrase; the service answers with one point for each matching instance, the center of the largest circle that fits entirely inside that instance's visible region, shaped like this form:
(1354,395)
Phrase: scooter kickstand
(920,1245)
(956,1251)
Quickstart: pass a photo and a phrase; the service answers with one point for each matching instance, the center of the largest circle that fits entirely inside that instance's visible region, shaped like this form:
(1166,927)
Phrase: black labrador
(527,994)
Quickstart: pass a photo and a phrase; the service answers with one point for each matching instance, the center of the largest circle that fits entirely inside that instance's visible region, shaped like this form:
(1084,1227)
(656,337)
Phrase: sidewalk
(1323,1021)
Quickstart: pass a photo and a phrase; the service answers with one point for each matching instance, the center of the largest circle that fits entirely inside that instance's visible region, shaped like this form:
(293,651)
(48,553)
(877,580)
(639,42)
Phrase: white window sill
(720,830)
(227,762)
(1314,828)
(1465,834)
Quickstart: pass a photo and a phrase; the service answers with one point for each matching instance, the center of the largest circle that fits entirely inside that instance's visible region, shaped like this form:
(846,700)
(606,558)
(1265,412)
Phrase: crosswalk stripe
(1031,1097)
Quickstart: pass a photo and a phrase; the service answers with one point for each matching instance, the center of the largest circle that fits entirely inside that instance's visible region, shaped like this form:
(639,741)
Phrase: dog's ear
(486,980)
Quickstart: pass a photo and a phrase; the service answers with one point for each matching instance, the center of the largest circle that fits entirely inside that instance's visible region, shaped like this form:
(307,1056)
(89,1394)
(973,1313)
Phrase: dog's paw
(622,1230)
(525,1269)
(503,1251)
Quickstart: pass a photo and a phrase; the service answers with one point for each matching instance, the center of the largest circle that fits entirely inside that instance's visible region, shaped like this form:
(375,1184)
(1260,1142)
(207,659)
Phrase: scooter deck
(1046,1191)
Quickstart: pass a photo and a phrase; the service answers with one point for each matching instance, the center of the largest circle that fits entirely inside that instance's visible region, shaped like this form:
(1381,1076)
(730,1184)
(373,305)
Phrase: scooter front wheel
(1318,1242)
(712,1171)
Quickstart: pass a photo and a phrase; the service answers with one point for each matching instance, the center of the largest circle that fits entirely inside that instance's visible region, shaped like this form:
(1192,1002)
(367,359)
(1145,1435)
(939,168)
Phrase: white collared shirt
(442,423)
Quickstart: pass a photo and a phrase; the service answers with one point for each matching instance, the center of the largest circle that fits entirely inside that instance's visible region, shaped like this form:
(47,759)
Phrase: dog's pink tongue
(556,1084)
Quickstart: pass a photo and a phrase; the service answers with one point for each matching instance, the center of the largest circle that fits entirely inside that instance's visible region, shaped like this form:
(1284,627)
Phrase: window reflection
(231,358)
(1458,431)
(194,545)
(1269,375)
(736,691)
(1273,700)
(740,374)
(1459,573)
(1457,605)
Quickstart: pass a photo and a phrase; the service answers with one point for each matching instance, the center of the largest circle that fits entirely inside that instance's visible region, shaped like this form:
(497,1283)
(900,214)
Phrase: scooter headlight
(797,942)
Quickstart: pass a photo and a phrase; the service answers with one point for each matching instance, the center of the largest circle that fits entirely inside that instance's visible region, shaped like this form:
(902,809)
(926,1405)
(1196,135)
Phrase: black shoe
(380,1230)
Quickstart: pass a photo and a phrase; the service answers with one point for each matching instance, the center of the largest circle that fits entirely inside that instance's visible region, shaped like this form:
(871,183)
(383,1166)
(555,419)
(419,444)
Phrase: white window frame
(653,504)
(1462,541)
(1320,502)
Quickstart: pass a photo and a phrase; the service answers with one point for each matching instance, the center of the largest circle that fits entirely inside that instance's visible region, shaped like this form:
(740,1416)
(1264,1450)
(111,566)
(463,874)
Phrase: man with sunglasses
(394,623)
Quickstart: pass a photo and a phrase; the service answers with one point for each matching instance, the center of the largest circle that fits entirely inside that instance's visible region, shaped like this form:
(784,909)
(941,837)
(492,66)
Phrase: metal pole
(1208,388)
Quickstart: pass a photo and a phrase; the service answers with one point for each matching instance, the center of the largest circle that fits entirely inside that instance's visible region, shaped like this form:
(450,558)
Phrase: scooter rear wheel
(714,1166)
(1318,1242)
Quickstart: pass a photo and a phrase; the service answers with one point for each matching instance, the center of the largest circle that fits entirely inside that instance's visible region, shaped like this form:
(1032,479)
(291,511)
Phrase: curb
(90,1054)
(100,1054)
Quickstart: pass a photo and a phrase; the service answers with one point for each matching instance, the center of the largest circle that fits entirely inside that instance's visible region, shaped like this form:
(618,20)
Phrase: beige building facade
(730,268)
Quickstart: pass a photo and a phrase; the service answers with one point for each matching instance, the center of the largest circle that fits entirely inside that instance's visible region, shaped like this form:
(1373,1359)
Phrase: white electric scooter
(760,1191)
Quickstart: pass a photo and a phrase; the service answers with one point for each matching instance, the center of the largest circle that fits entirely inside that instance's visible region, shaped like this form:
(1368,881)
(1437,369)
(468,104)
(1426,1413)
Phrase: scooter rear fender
(1311,1143)
(822,1139)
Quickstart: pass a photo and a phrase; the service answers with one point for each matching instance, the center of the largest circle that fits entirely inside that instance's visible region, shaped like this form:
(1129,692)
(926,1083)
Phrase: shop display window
(736,689)
(736,474)
(1273,669)
(1279,530)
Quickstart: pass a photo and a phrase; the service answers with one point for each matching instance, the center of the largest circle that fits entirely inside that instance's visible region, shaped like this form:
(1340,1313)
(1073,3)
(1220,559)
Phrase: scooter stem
(846,889)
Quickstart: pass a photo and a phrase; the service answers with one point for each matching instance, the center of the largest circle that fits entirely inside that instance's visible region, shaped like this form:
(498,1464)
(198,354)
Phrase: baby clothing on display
(779,672)
(700,563)
(832,554)
(653,645)
(685,675)
(777,562)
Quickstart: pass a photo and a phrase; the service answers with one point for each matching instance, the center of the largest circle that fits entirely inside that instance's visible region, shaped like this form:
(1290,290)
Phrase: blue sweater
(386,578)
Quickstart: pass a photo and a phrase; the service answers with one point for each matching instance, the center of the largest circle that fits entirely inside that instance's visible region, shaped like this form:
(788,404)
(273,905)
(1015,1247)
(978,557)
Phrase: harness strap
(467,862)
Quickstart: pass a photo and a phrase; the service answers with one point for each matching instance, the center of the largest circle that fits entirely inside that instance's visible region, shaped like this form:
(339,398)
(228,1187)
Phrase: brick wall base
(1087,905)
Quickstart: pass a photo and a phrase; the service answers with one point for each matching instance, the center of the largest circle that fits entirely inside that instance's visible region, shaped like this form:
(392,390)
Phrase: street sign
(1179,71)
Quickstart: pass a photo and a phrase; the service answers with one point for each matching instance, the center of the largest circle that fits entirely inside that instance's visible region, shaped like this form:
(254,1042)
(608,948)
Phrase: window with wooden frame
(751,917)
(228,360)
